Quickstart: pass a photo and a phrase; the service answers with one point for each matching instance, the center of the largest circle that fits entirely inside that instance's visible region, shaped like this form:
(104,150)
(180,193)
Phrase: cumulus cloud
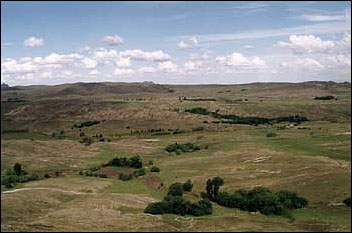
(33,42)
(191,45)
(11,66)
(313,44)
(192,65)
(89,63)
(123,62)
(158,56)
(238,60)
(112,40)
(248,47)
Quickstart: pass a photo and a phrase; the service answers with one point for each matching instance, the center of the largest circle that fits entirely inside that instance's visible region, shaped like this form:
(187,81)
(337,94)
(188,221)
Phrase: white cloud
(137,54)
(147,69)
(33,42)
(248,47)
(102,54)
(168,66)
(183,45)
(322,18)
(6,44)
(112,40)
(89,63)
(303,64)
(123,72)
(306,44)
(192,65)
(123,62)
(11,66)
(93,72)
(237,59)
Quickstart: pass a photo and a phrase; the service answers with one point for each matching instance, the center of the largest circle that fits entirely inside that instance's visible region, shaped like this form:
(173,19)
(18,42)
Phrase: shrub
(155,169)
(139,172)
(125,177)
(291,200)
(17,168)
(271,134)
(187,186)
(347,201)
(102,175)
(46,175)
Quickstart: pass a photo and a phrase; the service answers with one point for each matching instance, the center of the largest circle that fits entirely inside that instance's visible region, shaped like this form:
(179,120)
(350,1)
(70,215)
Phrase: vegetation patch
(86,124)
(259,199)
(182,148)
(328,97)
(17,175)
(174,203)
(234,119)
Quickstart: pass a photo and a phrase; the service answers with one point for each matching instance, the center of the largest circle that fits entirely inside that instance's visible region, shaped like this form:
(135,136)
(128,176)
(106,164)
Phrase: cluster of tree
(17,175)
(174,203)
(347,201)
(183,147)
(328,97)
(157,132)
(183,98)
(125,177)
(234,119)
(258,199)
(86,124)
(134,162)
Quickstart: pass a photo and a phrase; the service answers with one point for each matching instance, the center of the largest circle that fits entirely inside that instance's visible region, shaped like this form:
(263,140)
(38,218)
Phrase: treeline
(183,98)
(161,131)
(234,119)
(86,124)
(174,203)
(181,148)
(258,199)
(3,131)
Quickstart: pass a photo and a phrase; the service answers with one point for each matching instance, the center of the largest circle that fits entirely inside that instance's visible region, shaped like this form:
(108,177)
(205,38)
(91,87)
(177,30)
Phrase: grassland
(312,158)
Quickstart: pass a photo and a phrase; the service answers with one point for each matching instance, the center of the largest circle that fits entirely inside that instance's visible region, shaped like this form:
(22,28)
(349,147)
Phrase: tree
(155,169)
(213,187)
(175,189)
(17,168)
(187,186)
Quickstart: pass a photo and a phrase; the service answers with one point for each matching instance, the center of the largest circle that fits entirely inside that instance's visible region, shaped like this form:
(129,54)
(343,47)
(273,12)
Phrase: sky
(175,42)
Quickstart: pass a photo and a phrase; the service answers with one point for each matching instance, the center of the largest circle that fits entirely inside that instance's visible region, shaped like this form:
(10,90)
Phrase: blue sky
(175,42)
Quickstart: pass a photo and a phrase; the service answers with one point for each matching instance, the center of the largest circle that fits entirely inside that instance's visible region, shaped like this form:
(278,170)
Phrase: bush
(271,134)
(125,177)
(139,172)
(291,200)
(17,168)
(187,186)
(46,175)
(347,201)
(102,175)
(155,169)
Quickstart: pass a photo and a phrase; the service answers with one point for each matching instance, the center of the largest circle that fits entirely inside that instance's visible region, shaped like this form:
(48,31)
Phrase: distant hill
(6,87)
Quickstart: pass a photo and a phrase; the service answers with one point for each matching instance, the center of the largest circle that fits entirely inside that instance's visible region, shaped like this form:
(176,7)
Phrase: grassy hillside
(39,130)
